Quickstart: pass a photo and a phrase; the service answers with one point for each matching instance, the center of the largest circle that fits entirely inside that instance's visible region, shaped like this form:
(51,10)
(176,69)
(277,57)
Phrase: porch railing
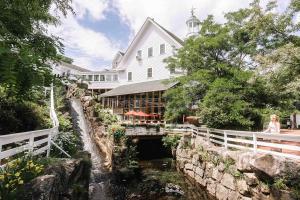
(285,145)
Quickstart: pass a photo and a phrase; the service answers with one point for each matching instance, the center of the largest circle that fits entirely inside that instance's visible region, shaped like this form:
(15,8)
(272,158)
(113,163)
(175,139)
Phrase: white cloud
(87,47)
(172,14)
(93,8)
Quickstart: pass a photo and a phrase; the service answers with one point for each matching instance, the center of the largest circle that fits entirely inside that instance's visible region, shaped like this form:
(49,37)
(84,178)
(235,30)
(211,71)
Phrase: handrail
(284,145)
(36,142)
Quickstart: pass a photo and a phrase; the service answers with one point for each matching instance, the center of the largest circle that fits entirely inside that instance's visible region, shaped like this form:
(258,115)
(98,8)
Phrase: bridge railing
(285,145)
(35,142)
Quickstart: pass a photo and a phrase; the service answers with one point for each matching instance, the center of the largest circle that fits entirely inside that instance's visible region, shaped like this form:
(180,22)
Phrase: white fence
(36,142)
(285,145)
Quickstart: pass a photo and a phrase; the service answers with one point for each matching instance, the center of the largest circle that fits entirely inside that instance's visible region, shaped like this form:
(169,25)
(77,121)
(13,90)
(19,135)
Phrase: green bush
(118,132)
(69,142)
(15,174)
(105,116)
(171,141)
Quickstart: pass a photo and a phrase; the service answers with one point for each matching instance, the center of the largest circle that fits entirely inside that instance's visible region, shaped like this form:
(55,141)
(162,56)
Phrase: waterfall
(98,177)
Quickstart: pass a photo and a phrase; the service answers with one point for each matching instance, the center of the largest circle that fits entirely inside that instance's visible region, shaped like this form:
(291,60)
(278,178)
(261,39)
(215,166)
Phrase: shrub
(118,132)
(16,173)
(171,141)
(69,142)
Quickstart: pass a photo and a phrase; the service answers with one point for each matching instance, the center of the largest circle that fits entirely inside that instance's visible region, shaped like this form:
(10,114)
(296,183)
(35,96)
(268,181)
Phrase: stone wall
(237,175)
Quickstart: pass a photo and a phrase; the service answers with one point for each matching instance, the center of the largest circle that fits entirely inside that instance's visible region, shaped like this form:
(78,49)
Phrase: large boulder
(67,179)
(267,166)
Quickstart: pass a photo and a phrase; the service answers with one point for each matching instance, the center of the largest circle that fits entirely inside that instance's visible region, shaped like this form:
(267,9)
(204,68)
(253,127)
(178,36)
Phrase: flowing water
(154,174)
(98,176)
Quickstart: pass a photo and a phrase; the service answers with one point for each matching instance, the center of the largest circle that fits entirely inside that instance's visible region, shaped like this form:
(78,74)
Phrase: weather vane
(192,10)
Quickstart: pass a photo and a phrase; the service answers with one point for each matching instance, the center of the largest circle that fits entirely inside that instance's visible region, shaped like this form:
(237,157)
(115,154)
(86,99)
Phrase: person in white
(274,125)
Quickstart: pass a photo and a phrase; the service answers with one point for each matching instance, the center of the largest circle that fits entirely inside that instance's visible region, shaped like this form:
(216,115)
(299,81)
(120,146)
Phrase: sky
(101,28)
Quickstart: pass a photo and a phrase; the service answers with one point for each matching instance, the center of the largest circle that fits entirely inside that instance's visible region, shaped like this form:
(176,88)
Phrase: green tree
(226,57)
(26,48)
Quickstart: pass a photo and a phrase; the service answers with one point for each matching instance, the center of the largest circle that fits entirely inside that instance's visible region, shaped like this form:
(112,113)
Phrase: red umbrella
(142,114)
(131,113)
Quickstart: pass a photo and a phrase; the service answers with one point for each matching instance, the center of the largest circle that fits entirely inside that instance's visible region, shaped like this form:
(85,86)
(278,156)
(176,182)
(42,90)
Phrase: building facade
(138,77)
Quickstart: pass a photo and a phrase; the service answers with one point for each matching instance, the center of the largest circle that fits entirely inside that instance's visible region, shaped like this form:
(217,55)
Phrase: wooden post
(152,107)
(147,102)
(225,140)
(207,134)
(254,143)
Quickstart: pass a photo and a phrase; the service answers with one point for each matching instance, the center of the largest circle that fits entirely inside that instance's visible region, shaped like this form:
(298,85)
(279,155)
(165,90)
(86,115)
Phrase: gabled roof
(165,31)
(81,69)
(149,86)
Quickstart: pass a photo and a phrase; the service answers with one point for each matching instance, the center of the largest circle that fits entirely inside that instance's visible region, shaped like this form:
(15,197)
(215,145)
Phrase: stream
(157,177)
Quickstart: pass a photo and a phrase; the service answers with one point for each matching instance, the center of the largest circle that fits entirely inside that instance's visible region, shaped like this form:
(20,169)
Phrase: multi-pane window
(129,76)
(108,77)
(83,77)
(90,78)
(150,52)
(162,49)
(102,78)
(149,72)
(96,77)
(115,77)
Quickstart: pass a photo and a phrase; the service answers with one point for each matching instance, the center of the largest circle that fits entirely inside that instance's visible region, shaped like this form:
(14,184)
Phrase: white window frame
(149,73)
(96,75)
(101,77)
(160,52)
(150,48)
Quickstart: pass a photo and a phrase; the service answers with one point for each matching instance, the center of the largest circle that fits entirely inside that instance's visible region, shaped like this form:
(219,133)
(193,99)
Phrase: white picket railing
(36,142)
(285,145)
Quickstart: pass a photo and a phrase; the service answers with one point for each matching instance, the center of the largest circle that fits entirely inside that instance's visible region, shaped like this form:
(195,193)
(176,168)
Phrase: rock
(267,166)
(211,187)
(242,187)
(251,179)
(199,171)
(195,159)
(222,193)
(233,195)
(228,181)
(174,189)
(245,198)
(221,167)
(61,179)
(208,170)
(265,189)
(191,174)
(243,162)
(200,180)
(188,166)
(216,174)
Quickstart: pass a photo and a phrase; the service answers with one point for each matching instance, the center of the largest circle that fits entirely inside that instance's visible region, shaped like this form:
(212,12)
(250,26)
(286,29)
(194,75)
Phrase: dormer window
(150,52)
(162,49)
